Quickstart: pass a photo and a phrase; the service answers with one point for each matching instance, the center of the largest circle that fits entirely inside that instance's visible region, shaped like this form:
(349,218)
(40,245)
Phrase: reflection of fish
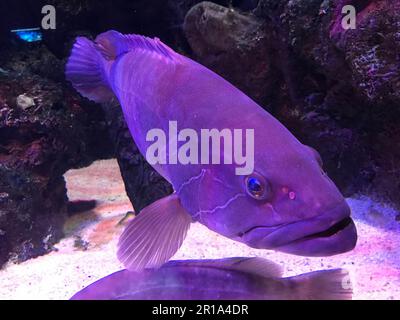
(231,278)
(288,203)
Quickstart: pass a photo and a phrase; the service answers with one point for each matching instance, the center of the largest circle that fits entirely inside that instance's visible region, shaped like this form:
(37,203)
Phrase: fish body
(221,279)
(286,202)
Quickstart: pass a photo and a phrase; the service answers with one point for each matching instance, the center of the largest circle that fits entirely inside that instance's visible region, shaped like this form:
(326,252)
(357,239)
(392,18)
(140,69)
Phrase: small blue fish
(221,279)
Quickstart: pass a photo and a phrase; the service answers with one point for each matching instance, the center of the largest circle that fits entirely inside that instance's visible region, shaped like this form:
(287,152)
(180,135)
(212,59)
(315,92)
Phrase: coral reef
(45,129)
(346,86)
(232,44)
(336,89)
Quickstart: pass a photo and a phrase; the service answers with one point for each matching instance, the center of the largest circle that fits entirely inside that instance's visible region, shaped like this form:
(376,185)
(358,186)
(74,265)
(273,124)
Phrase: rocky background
(336,90)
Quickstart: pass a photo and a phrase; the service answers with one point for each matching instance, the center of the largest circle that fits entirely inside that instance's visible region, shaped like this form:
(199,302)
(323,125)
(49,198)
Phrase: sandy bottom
(88,252)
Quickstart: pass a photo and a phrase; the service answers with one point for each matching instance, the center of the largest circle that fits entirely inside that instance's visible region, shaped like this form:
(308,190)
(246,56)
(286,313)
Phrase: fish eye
(257,186)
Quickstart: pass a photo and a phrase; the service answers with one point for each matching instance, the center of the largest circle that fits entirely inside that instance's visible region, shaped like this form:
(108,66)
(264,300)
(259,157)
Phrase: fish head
(288,204)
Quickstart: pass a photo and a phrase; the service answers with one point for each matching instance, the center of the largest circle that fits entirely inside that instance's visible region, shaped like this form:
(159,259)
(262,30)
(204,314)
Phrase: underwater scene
(200,150)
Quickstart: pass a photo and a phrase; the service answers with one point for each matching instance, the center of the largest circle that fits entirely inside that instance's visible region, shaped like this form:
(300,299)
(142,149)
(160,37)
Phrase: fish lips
(330,233)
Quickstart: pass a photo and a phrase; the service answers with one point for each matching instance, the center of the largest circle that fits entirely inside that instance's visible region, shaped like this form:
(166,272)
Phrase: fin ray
(155,235)
(331,284)
(85,69)
(112,44)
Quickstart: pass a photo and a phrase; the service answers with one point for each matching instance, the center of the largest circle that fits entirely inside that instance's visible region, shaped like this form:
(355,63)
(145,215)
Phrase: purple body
(301,211)
(224,279)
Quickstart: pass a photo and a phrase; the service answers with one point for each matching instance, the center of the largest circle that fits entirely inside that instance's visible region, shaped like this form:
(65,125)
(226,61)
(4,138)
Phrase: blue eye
(254,185)
(257,187)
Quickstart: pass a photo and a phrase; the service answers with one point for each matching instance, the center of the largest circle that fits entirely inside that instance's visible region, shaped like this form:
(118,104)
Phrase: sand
(88,252)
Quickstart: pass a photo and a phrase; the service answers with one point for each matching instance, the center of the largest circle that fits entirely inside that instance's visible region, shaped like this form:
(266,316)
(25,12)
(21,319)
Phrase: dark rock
(79,206)
(232,44)
(176,11)
(372,51)
(143,184)
(80,244)
(360,70)
(335,89)
(45,129)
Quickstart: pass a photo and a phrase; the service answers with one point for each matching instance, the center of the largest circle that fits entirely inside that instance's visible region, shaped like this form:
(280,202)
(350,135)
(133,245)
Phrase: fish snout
(329,233)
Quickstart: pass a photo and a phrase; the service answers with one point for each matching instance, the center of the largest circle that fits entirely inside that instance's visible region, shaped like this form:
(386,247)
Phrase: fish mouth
(332,233)
(337,227)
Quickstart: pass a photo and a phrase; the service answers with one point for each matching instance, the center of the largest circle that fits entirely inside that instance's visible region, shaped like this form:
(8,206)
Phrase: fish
(29,34)
(287,203)
(237,278)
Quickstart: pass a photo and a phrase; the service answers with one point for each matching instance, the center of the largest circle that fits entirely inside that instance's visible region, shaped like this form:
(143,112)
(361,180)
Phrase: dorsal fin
(254,265)
(112,44)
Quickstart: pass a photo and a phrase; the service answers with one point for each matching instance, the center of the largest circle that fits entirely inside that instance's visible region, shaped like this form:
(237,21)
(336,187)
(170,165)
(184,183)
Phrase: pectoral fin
(154,236)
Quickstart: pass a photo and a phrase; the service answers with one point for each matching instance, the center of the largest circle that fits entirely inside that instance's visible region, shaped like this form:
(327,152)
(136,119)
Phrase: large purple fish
(286,203)
(223,279)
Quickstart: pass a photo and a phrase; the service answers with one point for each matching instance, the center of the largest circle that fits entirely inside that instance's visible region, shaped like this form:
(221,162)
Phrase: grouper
(286,203)
(238,278)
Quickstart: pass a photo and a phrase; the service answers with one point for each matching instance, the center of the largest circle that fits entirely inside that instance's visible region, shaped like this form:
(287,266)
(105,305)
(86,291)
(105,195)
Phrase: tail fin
(87,66)
(85,69)
(332,284)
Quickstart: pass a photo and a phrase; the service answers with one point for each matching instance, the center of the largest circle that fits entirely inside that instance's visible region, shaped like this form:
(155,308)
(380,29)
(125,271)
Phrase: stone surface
(355,75)
(39,142)
(232,44)
(143,184)
(46,128)
(335,89)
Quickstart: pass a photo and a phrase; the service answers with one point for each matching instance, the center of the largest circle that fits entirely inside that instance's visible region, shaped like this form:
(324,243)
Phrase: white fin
(255,265)
(155,235)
